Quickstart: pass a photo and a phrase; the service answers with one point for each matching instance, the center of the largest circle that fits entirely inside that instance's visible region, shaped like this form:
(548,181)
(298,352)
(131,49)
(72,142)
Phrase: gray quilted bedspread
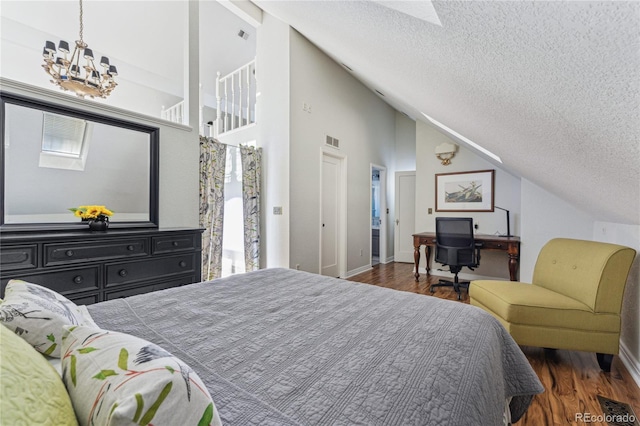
(280,347)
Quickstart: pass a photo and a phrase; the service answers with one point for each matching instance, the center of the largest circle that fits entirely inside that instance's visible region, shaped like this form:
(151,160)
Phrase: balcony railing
(236,99)
(174,113)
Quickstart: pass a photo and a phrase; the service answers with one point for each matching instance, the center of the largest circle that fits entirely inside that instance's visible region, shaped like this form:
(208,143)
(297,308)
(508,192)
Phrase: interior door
(329,262)
(405,216)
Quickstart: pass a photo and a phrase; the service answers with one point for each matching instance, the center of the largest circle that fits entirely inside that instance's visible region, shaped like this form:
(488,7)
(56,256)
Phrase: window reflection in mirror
(53,162)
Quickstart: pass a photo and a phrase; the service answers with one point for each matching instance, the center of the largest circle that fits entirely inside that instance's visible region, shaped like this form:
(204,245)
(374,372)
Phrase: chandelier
(69,74)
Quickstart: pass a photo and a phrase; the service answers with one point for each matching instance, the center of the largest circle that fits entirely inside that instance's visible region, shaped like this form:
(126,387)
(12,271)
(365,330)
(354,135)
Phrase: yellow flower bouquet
(91,212)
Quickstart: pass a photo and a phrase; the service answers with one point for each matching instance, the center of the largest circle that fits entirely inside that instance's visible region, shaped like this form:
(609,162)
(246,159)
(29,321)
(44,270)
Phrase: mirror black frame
(154,162)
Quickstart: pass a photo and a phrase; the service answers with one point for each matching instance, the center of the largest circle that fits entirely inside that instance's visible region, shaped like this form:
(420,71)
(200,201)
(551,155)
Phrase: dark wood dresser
(89,267)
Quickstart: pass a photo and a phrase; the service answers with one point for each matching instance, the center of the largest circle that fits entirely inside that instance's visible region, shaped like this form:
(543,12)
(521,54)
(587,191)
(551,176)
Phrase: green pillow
(31,391)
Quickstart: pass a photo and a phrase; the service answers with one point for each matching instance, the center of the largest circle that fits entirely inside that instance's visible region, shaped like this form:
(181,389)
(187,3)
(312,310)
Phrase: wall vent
(331,141)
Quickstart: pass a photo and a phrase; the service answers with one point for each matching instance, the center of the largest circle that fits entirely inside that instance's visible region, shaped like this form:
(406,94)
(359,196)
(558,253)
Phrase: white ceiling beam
(244,9)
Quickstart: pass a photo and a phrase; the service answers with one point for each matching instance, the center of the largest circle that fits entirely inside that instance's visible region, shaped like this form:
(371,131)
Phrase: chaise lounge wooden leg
(604,361)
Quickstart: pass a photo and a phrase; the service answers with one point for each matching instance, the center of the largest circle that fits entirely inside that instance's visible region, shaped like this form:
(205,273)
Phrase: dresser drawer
(64,282)
(169,244)
(18,257)
(84,299)
(131,272)
(63,254)
(148,288)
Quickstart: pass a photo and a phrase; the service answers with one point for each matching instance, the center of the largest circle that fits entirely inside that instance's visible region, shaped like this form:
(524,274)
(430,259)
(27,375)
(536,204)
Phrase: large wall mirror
(55,158)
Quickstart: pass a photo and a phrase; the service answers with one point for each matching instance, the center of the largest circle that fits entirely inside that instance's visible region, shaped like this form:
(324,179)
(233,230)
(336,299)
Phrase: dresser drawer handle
(69,253)
(130,247)
(175,244)
(499,245)
(123,272)
(182,264)
(78,279)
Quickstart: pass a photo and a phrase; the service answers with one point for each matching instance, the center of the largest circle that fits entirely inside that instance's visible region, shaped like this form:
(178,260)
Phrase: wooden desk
(511,245)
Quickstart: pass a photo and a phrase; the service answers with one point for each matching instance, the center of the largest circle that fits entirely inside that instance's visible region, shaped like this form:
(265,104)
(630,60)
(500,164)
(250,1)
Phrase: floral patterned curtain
(251,176)
(213,155)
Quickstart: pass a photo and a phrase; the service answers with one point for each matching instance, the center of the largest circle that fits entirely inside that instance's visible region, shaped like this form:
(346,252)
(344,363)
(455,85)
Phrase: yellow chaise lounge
(573,302)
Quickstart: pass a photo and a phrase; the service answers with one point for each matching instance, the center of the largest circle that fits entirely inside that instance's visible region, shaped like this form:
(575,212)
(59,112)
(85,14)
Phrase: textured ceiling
(552,87)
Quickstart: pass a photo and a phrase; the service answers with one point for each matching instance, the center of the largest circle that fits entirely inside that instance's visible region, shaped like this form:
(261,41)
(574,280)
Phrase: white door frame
(342,211)
(383,210)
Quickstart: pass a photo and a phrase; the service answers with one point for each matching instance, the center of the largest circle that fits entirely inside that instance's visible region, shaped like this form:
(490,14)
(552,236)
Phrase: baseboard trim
(633,365)
(357,271)
(388,260)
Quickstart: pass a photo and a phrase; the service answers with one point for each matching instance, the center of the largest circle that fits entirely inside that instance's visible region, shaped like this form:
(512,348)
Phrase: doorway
(332,216)
(379,214)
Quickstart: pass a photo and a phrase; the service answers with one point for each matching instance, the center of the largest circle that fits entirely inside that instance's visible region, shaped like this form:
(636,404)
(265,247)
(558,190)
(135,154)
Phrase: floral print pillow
(118,379)
(37,314)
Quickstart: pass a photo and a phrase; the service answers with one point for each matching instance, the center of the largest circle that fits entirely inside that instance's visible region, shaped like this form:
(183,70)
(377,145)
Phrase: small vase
(99,224)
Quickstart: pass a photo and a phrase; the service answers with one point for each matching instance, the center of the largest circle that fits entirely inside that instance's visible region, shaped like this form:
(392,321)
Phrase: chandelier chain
(81,24)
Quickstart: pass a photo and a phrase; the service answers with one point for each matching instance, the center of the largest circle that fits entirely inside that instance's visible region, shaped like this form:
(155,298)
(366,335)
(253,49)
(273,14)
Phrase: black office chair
(456,248)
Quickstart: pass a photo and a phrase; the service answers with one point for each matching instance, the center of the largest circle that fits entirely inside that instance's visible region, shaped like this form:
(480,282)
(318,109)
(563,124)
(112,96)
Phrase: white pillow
(37,314)
(118,379)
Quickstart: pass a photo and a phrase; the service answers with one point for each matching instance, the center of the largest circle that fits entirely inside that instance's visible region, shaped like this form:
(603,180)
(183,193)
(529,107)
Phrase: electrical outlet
(429,210)
(360,252)
(476,225)
(297,266)
(277,210)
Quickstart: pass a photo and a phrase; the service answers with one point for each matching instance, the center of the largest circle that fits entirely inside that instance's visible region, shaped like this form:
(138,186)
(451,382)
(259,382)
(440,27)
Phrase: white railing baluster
(233,101)
(240,98)
(216,128)
(226,106)
(249,93)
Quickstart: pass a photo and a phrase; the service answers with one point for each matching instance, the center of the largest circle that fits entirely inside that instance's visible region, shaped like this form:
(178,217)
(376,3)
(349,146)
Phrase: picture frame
(471,191)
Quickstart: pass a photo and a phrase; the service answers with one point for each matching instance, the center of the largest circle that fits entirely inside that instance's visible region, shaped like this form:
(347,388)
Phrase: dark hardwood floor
(572,379)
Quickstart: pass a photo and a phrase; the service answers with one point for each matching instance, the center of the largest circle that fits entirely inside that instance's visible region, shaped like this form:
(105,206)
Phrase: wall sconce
(445,152)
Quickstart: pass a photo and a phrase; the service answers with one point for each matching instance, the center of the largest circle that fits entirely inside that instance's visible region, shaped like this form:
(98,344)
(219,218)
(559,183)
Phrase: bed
(285,347)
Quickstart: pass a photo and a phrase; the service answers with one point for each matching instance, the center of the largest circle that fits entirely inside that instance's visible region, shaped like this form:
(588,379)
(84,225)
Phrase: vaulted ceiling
(552,87)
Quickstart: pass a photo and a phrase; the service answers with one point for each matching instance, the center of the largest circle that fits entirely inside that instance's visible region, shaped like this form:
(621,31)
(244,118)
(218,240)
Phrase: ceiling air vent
(331,141)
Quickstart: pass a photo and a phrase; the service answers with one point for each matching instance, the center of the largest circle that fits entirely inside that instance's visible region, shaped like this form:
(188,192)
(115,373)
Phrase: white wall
(272,74)
(365,125)
(546,216)
(405,143)
(507,195)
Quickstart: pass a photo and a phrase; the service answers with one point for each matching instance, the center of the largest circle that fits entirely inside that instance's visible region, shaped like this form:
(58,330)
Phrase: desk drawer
(63,254)
(18,257)
(64,282)
(147,270)
(496,245)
